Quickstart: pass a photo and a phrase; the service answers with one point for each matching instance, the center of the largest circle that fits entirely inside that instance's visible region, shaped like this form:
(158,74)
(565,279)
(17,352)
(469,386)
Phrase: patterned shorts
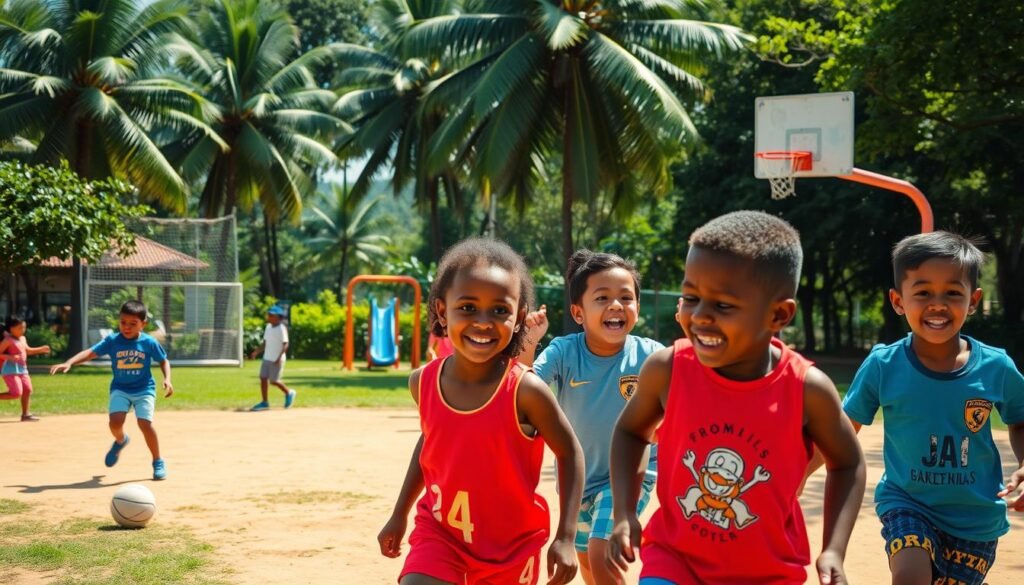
(954,560)
(595,519)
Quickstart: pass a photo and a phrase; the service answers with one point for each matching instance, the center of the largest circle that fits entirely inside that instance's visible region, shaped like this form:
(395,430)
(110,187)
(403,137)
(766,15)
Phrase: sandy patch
(298,496)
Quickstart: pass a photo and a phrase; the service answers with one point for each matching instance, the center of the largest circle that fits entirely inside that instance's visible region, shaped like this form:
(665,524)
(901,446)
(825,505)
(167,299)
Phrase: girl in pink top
(14,352)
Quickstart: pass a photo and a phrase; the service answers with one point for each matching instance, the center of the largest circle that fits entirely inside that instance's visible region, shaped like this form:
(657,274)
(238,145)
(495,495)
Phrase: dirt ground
(298,496)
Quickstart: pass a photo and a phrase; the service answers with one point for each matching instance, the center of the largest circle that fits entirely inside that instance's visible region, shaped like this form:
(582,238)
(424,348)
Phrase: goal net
(186,272)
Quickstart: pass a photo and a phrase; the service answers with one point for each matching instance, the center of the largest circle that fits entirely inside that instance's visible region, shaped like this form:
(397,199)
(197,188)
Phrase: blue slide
(383,345)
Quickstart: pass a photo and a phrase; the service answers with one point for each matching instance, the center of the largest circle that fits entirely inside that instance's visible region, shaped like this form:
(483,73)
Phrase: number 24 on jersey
(459,516)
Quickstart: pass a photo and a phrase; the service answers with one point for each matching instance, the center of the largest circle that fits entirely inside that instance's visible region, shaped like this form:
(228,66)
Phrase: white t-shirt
(274,338)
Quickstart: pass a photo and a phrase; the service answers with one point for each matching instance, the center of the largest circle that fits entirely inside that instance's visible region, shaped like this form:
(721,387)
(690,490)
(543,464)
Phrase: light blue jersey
(593,390)
(130,360)
(940,459)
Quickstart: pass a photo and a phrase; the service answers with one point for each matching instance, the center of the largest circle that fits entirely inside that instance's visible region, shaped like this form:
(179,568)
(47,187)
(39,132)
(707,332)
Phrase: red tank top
(481,473)
(731,456)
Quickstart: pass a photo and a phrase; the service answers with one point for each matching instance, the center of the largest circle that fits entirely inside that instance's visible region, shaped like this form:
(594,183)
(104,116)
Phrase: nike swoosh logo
(574,384)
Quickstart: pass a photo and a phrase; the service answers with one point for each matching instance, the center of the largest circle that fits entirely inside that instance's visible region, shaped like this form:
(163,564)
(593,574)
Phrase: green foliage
(38,335)
(267,124)
(52,212)
(84,81)
(317,330)
(940,101)
(321,384)
(184,345)
(322,22)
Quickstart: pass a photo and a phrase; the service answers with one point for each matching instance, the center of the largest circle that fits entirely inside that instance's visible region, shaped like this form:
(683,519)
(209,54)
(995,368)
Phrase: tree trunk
(827,304)
(806,296)
(34,299)
(275,258)
(262,242)
(435,219)
(76,330)
(1010,277)
(344,267)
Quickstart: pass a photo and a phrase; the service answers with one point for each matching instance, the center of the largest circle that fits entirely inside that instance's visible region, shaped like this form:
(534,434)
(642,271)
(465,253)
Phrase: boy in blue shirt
(941,497)
(596,372)
(131,353)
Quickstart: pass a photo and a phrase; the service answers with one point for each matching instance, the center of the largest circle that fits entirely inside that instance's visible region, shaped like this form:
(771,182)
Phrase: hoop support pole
(900,186)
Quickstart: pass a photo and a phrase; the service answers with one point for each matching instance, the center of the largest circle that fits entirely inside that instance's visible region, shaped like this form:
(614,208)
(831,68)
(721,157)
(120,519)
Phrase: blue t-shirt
(593,390)
(130,360)
(940,459)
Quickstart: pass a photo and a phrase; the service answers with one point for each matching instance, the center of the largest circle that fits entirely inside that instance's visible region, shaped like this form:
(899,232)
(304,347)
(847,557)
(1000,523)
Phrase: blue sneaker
(260,406)
(289,398)
(159,470)
(115,452)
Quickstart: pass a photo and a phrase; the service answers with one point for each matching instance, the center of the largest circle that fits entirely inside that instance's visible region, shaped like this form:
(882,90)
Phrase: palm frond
(667,37)
(516,65)
(618,70)
(134,155)
(560,29)
(462,37)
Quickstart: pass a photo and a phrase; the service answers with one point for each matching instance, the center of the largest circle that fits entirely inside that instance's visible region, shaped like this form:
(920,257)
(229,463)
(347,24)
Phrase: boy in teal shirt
(596,372)
(941,497)
(131,354)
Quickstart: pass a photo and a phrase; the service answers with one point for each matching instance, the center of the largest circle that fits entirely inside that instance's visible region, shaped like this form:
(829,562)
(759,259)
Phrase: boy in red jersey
(485,419)
(739,415)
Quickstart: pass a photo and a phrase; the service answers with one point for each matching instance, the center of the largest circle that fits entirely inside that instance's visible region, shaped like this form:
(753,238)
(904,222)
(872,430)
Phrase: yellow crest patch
(627,386)
(976,413)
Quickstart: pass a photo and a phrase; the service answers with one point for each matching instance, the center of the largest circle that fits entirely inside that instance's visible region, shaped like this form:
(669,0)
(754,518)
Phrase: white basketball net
(780,172)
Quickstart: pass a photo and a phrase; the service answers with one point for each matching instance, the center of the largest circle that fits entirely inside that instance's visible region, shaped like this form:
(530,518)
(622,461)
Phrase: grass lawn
(319,383)
(87,552)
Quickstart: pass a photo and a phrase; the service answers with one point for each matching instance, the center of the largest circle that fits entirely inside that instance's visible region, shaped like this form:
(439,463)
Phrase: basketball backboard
(819,123)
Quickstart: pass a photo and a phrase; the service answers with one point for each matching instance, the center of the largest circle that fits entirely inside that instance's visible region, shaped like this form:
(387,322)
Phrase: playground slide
(383,345)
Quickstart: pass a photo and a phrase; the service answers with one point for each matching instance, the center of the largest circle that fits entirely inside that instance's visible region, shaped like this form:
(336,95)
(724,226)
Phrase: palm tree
(347,228)
(262,101)
(82,80)
(599,82)
(383,96)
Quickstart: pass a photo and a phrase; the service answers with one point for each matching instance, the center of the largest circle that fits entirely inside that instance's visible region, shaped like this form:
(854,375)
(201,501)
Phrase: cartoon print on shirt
(719,484)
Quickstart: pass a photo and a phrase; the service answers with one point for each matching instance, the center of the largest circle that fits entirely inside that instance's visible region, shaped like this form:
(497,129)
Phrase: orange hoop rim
(801,158)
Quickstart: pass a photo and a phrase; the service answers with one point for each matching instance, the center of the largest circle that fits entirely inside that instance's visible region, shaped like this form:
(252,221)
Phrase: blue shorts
(144,404)
(595,518)
(655,581)
(954,560)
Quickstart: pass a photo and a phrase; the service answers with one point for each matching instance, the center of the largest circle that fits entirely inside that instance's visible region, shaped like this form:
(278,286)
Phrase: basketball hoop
(780,167)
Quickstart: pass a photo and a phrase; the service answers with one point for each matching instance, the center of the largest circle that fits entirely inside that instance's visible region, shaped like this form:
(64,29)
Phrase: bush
(42,335)
(317,330)
(184,345)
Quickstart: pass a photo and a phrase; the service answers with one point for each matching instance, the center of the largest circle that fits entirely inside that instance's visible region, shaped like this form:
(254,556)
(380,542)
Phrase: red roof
(148,255)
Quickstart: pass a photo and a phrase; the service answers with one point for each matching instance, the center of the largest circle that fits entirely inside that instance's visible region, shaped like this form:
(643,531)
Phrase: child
(485,419)
(940,499)
(596,373)
(132,386)
(275,349)
(438,347)
(14,352)
(739,415)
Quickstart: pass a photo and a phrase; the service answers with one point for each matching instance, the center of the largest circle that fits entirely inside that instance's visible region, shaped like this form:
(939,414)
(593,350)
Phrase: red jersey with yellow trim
(731,458)
(481,473)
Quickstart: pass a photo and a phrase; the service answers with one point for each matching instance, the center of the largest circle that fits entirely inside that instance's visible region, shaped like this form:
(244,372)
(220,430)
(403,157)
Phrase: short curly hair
(767,241)
(474,252)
